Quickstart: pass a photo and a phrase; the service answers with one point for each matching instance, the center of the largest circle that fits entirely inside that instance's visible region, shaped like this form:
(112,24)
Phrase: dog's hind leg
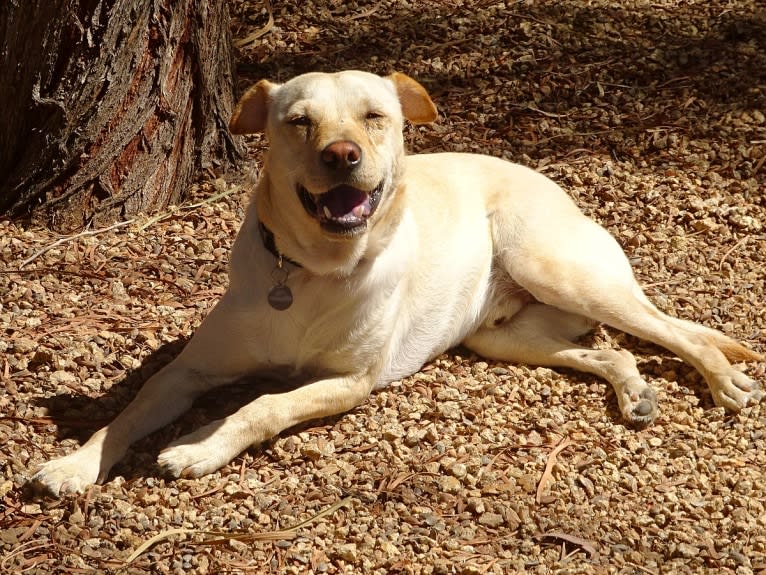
(579,268)
(543,335)
(709,351)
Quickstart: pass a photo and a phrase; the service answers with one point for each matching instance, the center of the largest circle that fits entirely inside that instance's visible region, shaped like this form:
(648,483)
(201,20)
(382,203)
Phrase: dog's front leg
(162,399)
(216,444)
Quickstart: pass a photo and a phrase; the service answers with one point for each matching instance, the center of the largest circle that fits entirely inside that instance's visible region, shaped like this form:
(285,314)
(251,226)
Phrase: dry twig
(223,537)
(585,544)
(731,250)
(67,239)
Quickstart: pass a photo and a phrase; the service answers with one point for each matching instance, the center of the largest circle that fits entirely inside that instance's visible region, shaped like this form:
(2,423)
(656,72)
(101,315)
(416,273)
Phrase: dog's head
(336,146)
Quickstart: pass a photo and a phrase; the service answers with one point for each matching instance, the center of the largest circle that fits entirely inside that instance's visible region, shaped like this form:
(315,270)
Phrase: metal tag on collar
(280,296)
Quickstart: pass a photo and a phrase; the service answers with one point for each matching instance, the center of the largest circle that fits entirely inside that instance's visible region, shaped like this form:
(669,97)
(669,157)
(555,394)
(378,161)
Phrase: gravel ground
(650,113)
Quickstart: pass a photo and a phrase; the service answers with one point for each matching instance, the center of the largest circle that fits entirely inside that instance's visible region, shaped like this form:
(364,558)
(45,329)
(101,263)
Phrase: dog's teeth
(327,212)
(359,211)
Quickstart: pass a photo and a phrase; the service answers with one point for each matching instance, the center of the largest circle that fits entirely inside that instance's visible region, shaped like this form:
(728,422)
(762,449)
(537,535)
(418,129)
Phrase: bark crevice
(116,104)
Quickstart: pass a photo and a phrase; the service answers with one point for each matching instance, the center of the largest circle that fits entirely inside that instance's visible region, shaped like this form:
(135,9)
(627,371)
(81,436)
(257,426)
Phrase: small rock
(62,378)
(740,558)
(389,549)
(89,551)
(705,225)
(31,509)
(393,432)
(450,484)
(528,483)
(476,504)
(24,345)
(118,291)
(458,470)
(687,551)
(318,448)
(238,546)
(414,436)
(491,519)
(450,410)
(348,552)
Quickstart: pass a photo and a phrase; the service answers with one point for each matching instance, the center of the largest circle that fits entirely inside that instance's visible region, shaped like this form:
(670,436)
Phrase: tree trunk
(109,107)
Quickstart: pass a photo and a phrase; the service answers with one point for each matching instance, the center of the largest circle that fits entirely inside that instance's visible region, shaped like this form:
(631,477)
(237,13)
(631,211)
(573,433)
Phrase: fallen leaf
(546,477)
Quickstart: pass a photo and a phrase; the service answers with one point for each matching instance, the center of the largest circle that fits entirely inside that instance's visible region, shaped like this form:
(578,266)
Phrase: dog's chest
(331,325)
(412,301)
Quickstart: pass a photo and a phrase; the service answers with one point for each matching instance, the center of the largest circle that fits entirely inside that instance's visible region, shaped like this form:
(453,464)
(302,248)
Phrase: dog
(356,264)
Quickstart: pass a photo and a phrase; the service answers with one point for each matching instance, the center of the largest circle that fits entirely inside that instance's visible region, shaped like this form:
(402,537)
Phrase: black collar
(270,244)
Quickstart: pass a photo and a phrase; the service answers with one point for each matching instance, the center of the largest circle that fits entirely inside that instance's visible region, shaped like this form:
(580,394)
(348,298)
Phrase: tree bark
(109,107)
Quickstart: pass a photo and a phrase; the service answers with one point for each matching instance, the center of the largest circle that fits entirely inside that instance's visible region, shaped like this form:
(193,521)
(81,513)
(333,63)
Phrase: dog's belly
(429,324)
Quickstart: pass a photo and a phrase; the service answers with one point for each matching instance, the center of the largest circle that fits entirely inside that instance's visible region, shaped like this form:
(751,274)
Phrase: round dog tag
(280,297)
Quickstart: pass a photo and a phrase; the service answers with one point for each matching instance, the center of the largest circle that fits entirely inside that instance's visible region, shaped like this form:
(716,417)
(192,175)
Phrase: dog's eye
(373,116)
(301,120)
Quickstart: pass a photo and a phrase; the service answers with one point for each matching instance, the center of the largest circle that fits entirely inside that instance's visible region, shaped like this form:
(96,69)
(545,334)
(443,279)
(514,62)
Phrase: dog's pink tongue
(344,201)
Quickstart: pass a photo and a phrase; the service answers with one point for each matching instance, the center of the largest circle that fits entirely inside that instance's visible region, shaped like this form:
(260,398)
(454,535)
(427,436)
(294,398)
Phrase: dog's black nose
(341,155)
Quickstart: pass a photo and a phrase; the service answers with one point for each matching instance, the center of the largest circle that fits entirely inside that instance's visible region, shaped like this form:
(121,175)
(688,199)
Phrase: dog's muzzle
(343,210)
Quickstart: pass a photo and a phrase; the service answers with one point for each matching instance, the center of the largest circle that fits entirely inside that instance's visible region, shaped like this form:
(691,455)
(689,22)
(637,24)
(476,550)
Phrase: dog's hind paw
(638,402)
(734,391)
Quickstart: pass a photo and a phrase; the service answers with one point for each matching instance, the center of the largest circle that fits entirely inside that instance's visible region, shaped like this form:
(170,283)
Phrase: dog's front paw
(638,402)
(70,474)
(195,455)
(735,391)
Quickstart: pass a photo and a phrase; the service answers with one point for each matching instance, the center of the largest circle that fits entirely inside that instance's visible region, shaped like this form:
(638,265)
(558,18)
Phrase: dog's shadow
(78,416)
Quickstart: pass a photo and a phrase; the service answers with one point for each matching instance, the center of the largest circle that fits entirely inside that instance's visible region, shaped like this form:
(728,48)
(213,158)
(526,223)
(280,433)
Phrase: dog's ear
(252,109)
(416,103)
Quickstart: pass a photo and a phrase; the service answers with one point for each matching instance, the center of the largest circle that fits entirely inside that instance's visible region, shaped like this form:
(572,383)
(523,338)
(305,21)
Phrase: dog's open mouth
(343,209)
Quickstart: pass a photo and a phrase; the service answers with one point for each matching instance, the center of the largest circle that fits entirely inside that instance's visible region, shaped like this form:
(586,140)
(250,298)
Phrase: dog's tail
(736,352)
